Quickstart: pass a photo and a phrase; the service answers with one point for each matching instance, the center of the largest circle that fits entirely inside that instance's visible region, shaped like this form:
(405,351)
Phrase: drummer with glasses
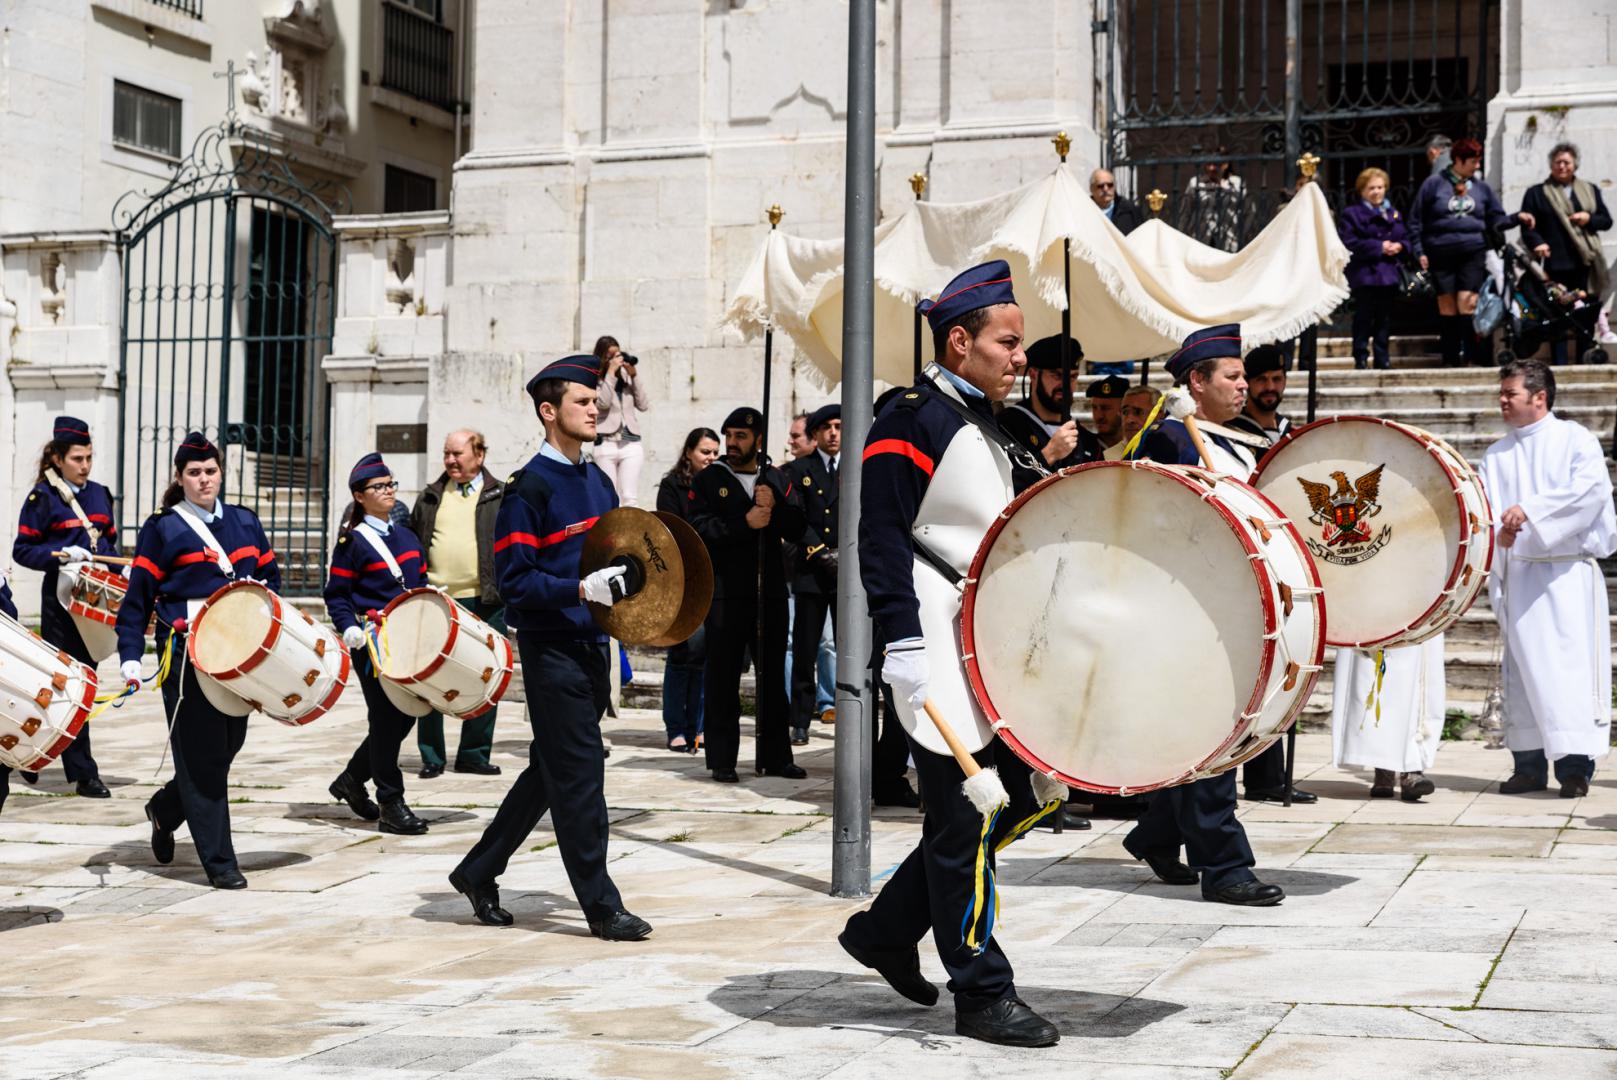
(373,562)
(65,520)
(188,550)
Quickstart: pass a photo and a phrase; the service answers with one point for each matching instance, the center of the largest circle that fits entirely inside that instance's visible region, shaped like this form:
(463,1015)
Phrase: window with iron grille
(418,52)
(406,192)
(192,8)
(145,119)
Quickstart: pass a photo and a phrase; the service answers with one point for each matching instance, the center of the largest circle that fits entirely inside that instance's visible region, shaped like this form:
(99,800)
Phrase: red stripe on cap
(968,288)
(1203,341)
(902,449)
(576,367)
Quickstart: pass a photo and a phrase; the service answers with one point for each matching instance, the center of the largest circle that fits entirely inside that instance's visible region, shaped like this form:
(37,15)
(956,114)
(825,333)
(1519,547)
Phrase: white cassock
(1547,590)
(1412,701)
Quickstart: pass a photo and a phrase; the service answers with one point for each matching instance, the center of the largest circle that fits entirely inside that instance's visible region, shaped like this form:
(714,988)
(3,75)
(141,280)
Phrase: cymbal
(669,577)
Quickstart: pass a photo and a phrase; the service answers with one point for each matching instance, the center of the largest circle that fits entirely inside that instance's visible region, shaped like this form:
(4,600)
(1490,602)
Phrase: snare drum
(1129,626)
(91,596)
(45,698)
(253,651)
(441,653)
(1396,520)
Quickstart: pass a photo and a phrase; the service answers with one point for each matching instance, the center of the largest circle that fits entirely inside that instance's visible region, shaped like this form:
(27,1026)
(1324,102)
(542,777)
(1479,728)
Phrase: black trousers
(934,886)
(890,759)
(377,757)
(808,624)
(732,625)
(566,773)
(1267,770)
(1372,323)
(204,741)
(56,627)
(1200,817)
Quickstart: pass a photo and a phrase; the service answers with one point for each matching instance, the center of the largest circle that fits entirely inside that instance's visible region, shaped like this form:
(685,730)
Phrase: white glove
(598,586)
(905,669)
(353,637)
(130,670)
(1179,403)
(74,554)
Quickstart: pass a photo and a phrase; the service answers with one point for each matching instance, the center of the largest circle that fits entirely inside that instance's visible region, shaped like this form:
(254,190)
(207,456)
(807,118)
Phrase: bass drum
(1396,520)
(1129,626)
(45,698)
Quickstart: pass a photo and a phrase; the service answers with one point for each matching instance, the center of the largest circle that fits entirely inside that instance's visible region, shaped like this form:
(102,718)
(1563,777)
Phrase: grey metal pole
(1294,86)
(850,853)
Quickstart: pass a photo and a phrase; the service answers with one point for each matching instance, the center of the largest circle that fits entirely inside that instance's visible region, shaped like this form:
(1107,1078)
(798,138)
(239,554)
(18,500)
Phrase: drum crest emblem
(1343,515)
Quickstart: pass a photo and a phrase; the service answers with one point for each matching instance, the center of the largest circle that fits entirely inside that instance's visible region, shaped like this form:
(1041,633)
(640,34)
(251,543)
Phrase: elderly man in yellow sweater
(455,520)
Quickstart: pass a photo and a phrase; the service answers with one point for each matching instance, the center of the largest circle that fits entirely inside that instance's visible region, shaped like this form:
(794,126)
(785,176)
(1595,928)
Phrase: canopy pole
(775,214)
(1063,144)
(850,852)
(917,185)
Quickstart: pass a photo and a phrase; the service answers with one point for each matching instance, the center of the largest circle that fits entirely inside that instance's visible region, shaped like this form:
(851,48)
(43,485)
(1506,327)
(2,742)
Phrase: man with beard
(1265,386)
(744,508)
(1042,421)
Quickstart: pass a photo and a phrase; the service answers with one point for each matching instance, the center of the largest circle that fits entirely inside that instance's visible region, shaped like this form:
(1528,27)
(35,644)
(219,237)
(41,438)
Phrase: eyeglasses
(377,489)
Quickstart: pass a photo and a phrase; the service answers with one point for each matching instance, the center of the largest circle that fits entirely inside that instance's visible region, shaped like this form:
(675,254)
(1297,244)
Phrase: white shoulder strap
(210,546)
(378,543)
(54,479)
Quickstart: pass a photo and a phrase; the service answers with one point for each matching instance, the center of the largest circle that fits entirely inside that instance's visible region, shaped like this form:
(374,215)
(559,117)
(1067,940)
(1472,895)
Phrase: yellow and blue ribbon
(1374,699)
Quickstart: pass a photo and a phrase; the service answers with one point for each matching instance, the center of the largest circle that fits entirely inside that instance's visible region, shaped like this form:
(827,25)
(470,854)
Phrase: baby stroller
(1533,309)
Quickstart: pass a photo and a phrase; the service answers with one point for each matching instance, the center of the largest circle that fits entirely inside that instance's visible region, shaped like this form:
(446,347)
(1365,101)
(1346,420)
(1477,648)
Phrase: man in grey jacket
(454,519)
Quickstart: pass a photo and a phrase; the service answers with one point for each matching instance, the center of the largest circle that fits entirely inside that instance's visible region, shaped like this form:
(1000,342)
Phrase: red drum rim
(337,687)
(109,582)
(1465,518)
(81,715)
(265,647)
(493,699)
(449,639)
(968,605)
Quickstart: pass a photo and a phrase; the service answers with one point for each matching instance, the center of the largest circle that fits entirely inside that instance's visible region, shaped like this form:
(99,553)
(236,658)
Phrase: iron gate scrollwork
(1212,101)
(229,275)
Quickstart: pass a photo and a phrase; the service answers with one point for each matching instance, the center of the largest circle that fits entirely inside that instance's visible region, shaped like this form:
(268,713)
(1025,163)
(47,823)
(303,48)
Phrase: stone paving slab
(1472,933)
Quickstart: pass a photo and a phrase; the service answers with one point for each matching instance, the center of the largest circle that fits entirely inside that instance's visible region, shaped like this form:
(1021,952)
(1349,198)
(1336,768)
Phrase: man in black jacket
(744,509)
(454,520)
(1118,210)
(814,578)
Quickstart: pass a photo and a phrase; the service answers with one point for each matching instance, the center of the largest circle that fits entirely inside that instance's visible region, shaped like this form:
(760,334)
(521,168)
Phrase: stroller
(1533,309)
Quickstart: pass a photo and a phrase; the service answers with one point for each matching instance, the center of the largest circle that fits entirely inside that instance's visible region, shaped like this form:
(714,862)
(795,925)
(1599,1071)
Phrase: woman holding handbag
(1373,230)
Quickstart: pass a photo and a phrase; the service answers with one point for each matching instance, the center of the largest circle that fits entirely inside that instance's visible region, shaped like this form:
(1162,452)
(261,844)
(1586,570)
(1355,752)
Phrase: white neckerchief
(191,514)
(375,538)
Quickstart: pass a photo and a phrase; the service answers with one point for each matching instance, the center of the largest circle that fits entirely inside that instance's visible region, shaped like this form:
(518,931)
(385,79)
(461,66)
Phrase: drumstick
(1196,438)
(115,560)
(982,785)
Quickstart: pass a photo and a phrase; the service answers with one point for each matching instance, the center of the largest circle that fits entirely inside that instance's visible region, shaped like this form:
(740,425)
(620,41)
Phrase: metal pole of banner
(1155,200)
(917,185)
(850,852)
(775,214)
(1063,144)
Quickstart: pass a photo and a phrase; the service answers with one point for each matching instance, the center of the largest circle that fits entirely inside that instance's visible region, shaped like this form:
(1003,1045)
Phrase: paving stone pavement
(1470,934)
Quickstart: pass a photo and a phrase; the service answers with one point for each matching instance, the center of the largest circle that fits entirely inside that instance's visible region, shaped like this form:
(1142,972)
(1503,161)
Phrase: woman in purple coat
(1374,232)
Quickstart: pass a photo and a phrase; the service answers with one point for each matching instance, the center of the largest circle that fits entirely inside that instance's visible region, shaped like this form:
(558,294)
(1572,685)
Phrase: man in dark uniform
(548,507)
(1200,816)
(1105,397)
(814,578)
(744,509)
(940,436)
(1043,420)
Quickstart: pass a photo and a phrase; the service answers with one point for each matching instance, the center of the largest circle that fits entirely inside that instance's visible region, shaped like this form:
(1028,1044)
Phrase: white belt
(1555,558)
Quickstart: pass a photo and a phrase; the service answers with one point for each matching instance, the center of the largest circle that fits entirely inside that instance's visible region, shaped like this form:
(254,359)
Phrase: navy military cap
(823,416)
(744,417)
(1045,353)
(1111,388)
(71,430)
(1264,359)
(195,447)
(1210,343)
(979,287)
(583,369)
(368,468)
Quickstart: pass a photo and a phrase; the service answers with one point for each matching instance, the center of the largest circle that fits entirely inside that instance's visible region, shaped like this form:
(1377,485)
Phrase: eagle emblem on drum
(1343,515)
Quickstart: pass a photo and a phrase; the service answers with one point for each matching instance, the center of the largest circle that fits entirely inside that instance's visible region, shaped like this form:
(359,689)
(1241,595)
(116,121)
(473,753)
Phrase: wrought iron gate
(229,284)
(1212,101)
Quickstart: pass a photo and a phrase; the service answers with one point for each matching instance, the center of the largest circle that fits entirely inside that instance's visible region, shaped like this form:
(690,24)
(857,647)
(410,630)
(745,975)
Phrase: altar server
(1387,709)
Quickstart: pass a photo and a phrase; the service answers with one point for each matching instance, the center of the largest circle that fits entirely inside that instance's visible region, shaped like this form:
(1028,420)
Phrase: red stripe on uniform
(337,571)
(902,449)
(143,563)
(530,540)
(190,558)
(244,553)
(408,555)
(66,523)
(28,530)
(266,557)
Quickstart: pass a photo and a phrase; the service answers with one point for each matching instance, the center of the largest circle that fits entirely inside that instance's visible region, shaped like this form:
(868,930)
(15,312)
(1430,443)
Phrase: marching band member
(66,512)
(373,562)
(185,552)
(921,450)
(539,538)
(1200,816)
(1037,420)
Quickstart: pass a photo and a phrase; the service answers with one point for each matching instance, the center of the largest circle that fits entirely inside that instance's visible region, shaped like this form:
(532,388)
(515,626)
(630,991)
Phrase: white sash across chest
(379,544)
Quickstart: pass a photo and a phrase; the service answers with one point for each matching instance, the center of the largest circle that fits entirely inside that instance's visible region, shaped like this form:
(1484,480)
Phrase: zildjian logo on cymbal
(1344,517)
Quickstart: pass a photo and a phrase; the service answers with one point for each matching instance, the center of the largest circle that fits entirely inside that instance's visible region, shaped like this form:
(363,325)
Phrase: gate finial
(1155,200)
(1063,144)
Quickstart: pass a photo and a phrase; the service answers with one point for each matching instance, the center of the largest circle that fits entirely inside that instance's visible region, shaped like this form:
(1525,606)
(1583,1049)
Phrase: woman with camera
(620,398)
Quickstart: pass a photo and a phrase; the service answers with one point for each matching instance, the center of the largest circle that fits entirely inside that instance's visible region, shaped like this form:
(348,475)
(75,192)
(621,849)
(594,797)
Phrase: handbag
(1490,309)
(1414,284)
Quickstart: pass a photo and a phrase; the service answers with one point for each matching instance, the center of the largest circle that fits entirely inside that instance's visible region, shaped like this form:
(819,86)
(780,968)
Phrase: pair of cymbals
(668,574)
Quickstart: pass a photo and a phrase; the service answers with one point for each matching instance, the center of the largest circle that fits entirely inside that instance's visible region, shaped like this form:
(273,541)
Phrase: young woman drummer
(185,552)
(66,518)
(373,562)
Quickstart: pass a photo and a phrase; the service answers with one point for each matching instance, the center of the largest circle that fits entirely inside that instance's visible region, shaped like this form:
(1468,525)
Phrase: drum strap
(991,431)
(379,544)
(210,546)
(936,562)
(54,479)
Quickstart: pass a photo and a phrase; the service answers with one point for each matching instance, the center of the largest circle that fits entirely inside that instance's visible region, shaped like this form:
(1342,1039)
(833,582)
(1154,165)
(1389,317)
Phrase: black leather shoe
(1248,894)
(399,818)
(726,776)
(93,788)
(162,839)
(790,772)
(485,901)
(1169,870)
(1523,784)
(430,772)
(1007,1022)
(800,736)
(230,879)
(1575,788)
(901,970)
(1069,820)
(1298,795)
(904,797)
(621,927)
(346,789)
(478,768)
(30,777)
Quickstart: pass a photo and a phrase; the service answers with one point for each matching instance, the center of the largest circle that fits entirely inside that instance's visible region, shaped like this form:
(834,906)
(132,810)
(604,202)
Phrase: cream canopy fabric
(1133,296)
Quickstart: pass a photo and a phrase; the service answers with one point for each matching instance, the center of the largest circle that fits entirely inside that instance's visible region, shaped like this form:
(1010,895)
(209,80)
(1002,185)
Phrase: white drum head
(1381,516)
(226,701)
(1117,626)
(404,701)
(237,623)
(417,632)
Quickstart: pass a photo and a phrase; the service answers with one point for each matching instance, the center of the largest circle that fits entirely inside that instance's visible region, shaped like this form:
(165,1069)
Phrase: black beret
(744,417)
(1045,354)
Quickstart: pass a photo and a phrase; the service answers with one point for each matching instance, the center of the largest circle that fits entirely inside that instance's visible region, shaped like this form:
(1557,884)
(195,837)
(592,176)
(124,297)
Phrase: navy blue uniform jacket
(360,581)
(539,541)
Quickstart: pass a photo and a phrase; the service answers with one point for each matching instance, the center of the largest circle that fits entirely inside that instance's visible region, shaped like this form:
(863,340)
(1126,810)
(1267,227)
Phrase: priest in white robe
(1394,726)
(1552,499)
